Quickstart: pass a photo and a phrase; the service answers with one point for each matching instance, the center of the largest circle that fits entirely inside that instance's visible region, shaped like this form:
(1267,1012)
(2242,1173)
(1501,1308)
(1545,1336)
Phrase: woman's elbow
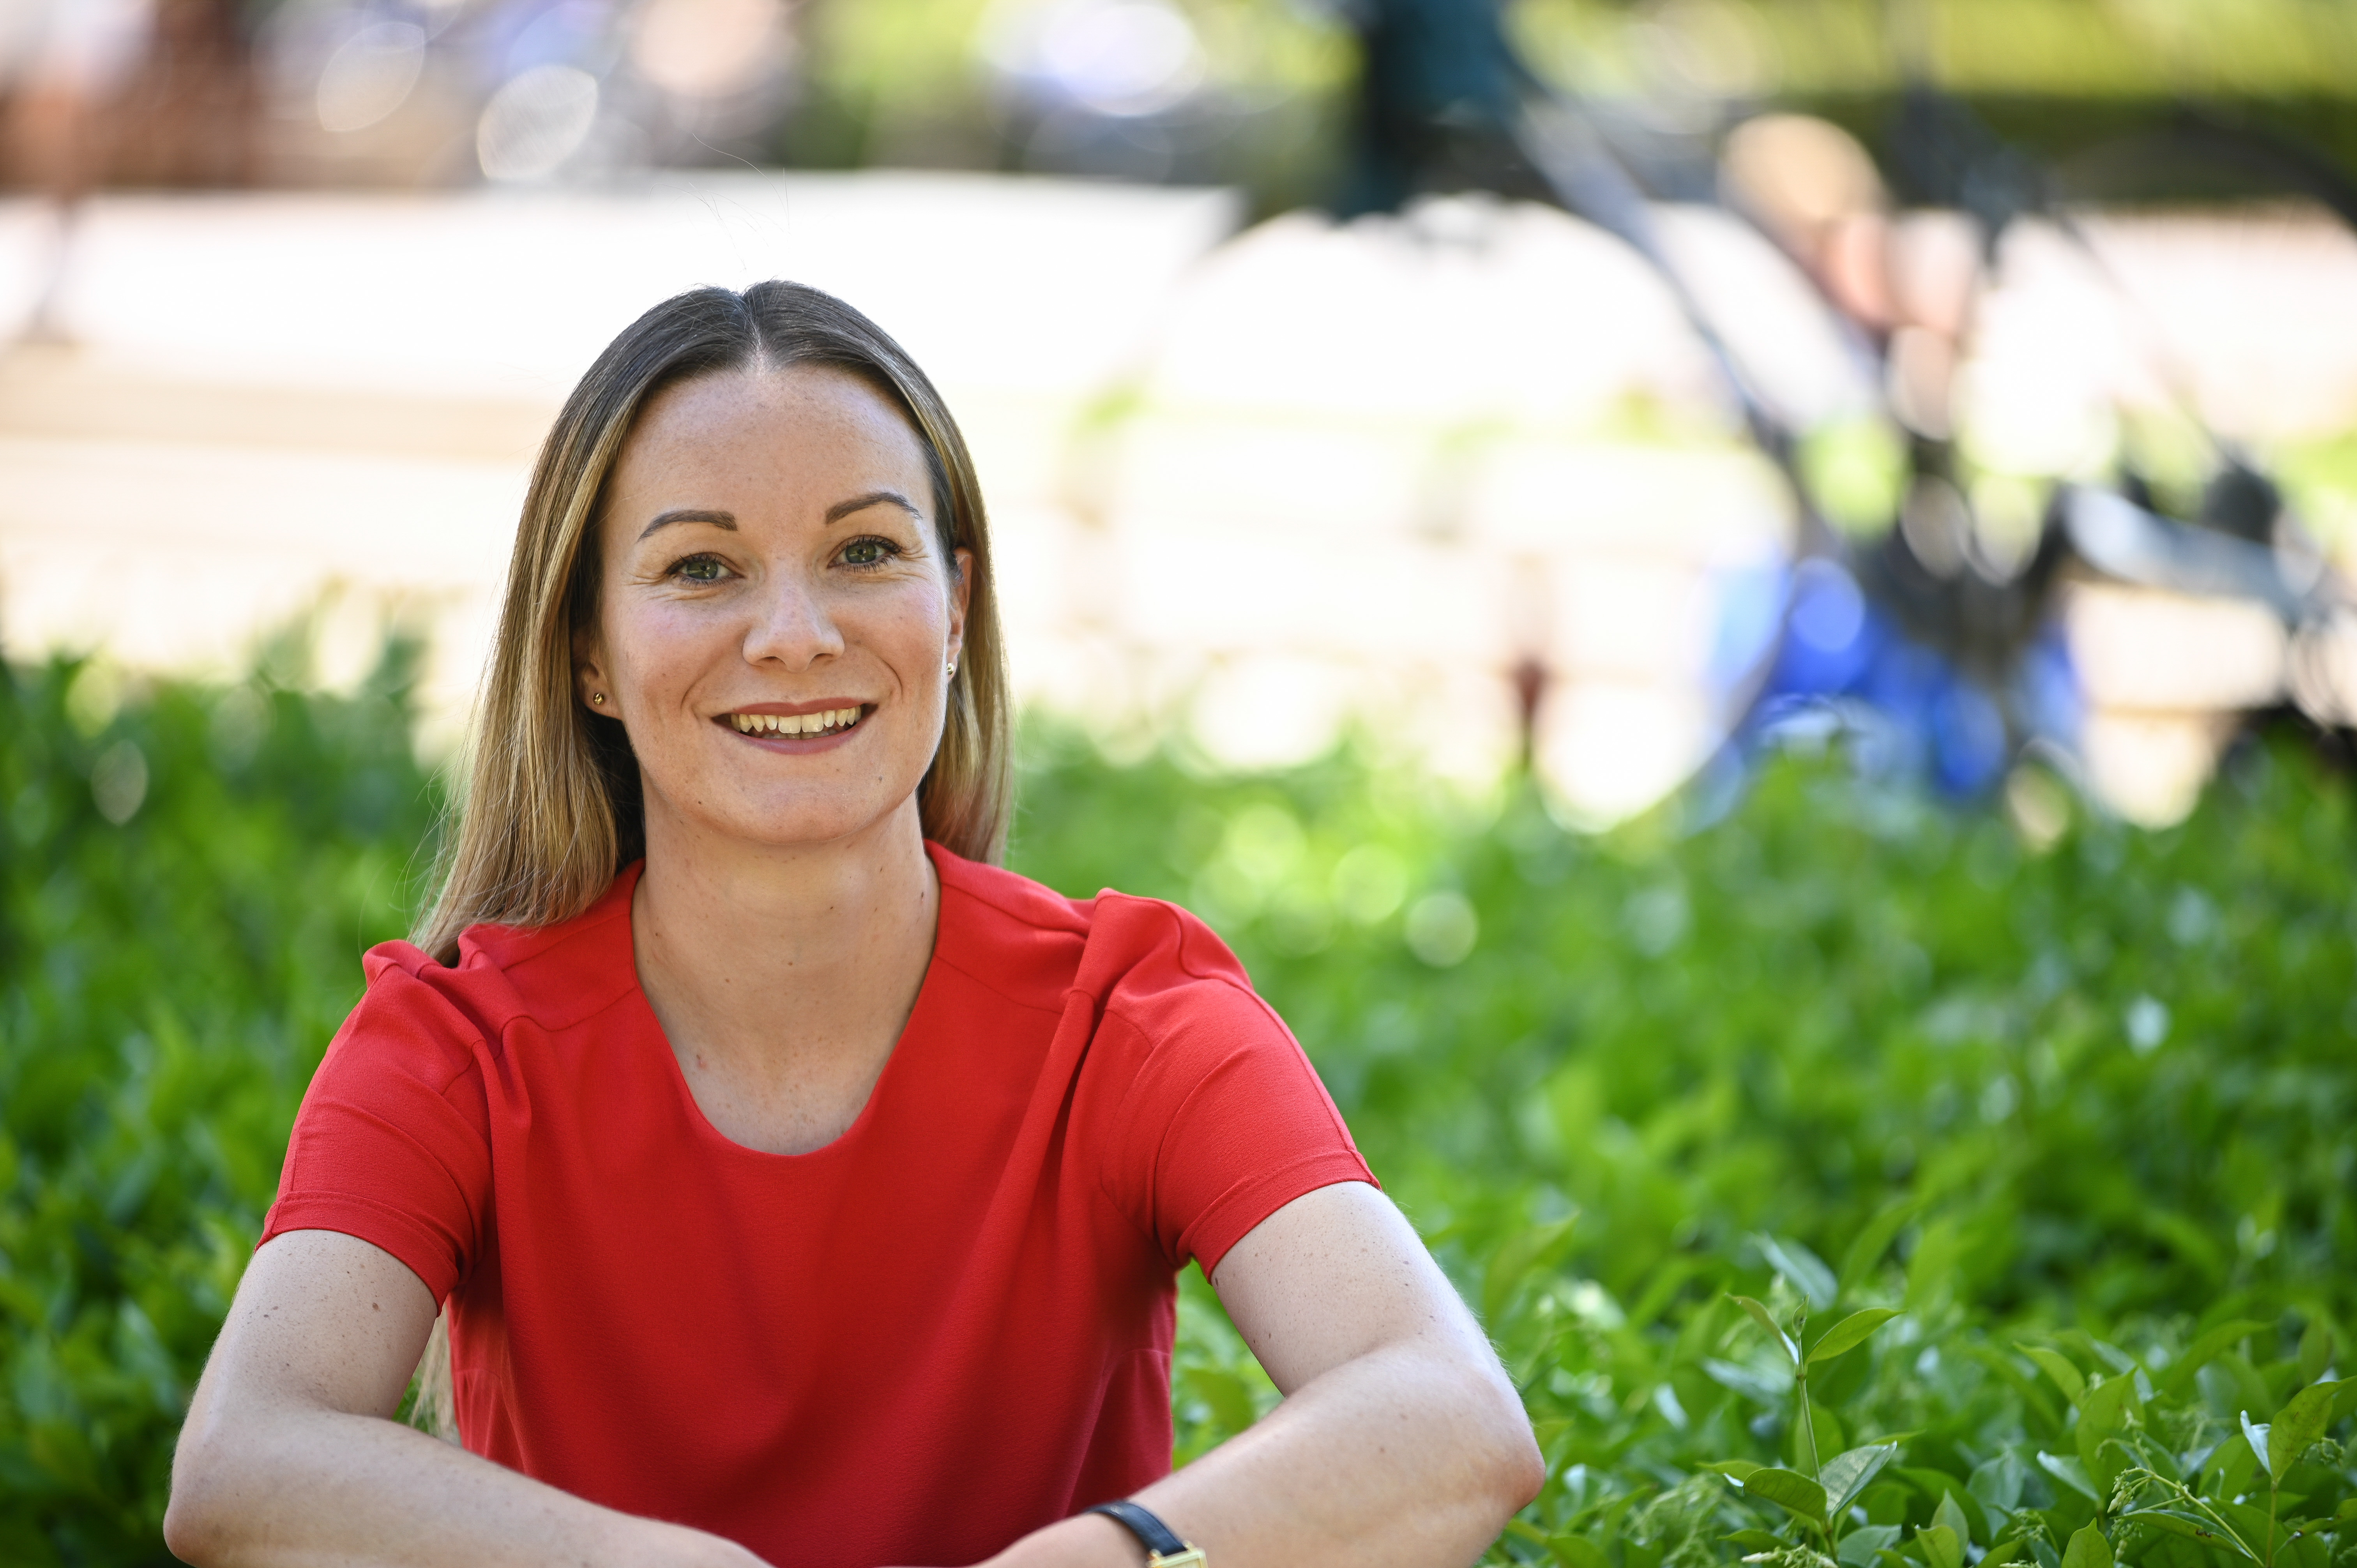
(1503,1453)
(190,1529)
(197,1516)
(1518,1470)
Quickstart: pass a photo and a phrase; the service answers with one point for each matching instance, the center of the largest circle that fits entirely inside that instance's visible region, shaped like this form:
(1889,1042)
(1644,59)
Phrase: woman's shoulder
(552,975)
(1134,956)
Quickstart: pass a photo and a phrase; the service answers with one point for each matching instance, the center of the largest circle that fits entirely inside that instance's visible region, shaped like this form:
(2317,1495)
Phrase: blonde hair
(551,809)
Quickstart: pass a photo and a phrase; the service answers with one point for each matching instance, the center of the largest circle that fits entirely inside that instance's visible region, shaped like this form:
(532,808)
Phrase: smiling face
(775,613)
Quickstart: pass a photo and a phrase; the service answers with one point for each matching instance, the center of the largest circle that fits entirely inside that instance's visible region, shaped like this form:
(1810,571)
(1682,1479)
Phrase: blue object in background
(1844,665)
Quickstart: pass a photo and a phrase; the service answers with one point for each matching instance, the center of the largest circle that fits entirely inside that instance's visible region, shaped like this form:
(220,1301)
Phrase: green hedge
(2087,1120)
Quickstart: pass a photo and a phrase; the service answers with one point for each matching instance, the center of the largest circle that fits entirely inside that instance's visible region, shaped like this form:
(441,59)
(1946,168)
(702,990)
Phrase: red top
(944,1329)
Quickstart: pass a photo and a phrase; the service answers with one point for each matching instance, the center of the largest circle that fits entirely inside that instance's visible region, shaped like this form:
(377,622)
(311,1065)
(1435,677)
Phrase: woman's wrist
(1085,1541)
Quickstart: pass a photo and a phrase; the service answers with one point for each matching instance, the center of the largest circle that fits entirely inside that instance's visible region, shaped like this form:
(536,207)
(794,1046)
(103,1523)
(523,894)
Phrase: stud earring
(598,698)
(951,668)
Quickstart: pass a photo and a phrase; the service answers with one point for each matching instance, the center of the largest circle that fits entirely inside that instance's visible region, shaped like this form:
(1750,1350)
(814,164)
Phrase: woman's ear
(590,687)
(961,595)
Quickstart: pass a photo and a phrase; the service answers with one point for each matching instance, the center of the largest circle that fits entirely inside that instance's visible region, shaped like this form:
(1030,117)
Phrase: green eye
(866,553)
(699,569)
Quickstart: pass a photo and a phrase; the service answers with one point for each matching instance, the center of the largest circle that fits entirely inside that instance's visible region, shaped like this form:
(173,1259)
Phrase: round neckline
(626,885)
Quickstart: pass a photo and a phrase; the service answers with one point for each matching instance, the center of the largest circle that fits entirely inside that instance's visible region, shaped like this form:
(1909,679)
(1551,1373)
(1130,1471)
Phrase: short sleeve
(1224,1121)
(393,1141)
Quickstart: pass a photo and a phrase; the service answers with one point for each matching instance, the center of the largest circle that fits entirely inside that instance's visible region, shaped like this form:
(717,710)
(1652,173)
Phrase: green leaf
(1844,1476)
(2066,1376)
(2300,1422)
(2088,1549)
(2315,1349)
(1572,1550)
(1528,1248)
(2012,1548)
(2071,1473)
(1850,1333)
(2187,1525)
(1942,1547)
(1753,1541)
(1874,1241)
(1790,1490)
(2106,1404)
(2230,1465)
(2179,1375)
(1861,1546)
(1940,1486)
(2257,1438)
(1948,1516)
(1767,1320)
(2249,1521)
(1997,1483)
(1803,1268)
(1734,1468)
(2101,1415)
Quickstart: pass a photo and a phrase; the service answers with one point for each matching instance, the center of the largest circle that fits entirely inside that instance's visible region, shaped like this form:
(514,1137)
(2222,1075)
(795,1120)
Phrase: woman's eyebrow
(842,510)
(727,519)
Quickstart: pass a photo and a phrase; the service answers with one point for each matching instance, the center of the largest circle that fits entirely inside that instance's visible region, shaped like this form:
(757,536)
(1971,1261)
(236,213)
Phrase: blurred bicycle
(1935,541)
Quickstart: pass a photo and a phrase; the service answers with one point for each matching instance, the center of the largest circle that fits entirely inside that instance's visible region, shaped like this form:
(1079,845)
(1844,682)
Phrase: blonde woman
(795,1185)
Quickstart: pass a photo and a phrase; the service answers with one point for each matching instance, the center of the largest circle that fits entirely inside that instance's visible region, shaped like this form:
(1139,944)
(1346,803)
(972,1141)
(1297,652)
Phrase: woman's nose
(791,625)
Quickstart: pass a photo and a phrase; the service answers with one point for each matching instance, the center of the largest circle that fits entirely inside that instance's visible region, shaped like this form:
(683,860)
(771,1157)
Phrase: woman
(797,1189)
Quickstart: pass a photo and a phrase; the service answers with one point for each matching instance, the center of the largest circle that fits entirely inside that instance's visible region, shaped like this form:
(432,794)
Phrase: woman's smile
(798,726)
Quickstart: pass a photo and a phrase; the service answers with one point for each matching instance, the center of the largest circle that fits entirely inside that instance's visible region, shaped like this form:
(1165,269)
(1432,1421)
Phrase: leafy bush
(2080,1128)
(167,983)
(2083,1125)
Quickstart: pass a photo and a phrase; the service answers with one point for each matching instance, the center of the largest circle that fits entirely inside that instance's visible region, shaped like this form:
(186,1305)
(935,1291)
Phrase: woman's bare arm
(290,1456)
(1400,1443)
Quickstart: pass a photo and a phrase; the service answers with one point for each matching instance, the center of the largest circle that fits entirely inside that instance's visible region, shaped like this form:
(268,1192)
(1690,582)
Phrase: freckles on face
(775,611)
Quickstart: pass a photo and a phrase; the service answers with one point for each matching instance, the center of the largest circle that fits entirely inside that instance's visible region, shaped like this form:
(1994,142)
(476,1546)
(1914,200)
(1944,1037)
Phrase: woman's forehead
(759,422)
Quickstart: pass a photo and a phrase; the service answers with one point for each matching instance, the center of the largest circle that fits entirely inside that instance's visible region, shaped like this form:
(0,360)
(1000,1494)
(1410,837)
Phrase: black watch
(1163,1547)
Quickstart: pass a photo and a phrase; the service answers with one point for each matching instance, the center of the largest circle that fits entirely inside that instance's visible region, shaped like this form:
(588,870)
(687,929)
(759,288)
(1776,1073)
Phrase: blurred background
(1742,609)
(1621,387)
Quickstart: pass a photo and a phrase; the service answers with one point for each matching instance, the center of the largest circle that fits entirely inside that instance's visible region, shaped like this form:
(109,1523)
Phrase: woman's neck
(783,977)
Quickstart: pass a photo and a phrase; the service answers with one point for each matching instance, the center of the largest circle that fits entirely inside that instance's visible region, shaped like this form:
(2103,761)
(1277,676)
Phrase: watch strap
(1163,1547)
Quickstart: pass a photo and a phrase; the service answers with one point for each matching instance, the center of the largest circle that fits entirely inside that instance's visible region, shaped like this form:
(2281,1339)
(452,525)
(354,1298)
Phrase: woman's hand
(1400,1444)
(290,1456)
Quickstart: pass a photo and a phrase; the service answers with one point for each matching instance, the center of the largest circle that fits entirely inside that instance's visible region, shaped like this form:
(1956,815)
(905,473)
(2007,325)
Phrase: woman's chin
(759,826)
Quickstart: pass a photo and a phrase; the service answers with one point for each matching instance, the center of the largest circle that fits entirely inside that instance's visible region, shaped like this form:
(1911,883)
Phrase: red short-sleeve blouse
(944,1329)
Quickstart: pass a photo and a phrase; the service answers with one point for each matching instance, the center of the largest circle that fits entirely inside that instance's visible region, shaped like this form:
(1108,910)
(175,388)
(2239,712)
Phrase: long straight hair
(553,807)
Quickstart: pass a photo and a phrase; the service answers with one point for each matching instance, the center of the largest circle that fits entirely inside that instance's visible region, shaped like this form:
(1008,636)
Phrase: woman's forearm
(289,1453)
(1411,1456)
(1400,1444)
(314,1486)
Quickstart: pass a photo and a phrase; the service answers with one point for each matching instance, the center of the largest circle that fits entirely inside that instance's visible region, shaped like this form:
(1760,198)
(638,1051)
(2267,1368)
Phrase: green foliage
(167,983)
(2077,1127)
(2034,1172)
